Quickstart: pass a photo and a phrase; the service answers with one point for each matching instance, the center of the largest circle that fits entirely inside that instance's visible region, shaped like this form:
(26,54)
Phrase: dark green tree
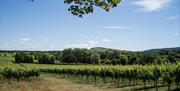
(123,59)
(68,56)
(148,58)
(23,58)
(95,58)
(19,58)
(81,7)
(133,60)
(46,59)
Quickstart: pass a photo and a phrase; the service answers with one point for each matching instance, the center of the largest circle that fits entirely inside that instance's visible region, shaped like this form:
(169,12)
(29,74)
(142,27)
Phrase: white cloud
(151,5)
(115,27)
(87,44)
(24,41)
(172,17)
(106,40)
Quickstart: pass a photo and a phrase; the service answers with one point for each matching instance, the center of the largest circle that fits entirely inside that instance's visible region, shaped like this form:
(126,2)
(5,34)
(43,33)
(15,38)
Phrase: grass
(52,82)
(46,83)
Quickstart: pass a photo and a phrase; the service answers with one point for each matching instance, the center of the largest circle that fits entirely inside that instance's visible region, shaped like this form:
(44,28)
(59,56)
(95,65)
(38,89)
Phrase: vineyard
(20,73)
(149,75)
(128,77)
(167,75)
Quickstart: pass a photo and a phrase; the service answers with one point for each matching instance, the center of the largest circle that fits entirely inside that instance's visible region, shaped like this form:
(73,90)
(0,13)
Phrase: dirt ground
(47,84)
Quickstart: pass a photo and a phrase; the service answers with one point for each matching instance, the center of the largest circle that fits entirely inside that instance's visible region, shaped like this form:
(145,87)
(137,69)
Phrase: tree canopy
(82,7)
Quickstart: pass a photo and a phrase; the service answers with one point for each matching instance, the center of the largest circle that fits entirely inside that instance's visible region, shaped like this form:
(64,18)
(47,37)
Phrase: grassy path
(47,84)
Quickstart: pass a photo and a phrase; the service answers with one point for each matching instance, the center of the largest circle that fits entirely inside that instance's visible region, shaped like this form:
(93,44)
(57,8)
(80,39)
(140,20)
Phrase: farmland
(112,77)
(89,45)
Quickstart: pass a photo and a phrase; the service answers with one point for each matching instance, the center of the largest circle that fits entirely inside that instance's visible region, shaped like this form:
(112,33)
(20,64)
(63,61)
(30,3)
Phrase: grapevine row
(169,74)
(21,73)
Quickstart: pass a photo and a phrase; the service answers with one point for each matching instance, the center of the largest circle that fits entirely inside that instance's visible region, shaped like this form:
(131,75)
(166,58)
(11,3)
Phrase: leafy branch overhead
(81,7)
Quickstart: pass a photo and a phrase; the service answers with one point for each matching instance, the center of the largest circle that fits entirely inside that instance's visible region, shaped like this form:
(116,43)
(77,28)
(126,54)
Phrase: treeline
(85,56)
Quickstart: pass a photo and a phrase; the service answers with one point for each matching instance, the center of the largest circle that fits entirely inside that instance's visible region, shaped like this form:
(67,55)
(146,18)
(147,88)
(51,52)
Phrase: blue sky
(47,25)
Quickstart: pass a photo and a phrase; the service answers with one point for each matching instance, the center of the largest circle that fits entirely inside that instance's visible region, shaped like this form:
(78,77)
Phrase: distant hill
(102,49)
(165,49)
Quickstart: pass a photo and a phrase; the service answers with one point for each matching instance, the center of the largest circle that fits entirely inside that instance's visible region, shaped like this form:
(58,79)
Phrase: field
(85,77)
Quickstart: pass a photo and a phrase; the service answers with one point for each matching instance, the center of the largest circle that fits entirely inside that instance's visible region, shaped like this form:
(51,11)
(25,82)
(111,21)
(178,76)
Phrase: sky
(134,25)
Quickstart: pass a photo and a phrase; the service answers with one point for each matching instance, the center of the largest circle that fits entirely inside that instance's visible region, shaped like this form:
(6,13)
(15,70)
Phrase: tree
(148,58)
(28,59)
(58,56)
(123,59)
(173,57)
(95,58)
(68,56)
(81,7)
(18,58)
(106,61)
(46,59)
(116,61)
(133,60)
(23,58)
(78,55)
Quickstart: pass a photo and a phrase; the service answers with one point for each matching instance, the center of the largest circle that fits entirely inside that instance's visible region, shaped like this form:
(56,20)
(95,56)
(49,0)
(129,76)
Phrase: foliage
(103,56)
(81,7)
(123,59)
(20,73)
(46,59)
(155,73)
(23,58)
(80,56)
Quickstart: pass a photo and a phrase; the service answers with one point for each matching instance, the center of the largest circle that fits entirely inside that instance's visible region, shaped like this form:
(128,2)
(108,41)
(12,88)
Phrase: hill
(102,49)
(165,49)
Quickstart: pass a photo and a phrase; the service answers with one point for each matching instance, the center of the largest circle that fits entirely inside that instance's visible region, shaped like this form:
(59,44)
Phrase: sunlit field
(87,77)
